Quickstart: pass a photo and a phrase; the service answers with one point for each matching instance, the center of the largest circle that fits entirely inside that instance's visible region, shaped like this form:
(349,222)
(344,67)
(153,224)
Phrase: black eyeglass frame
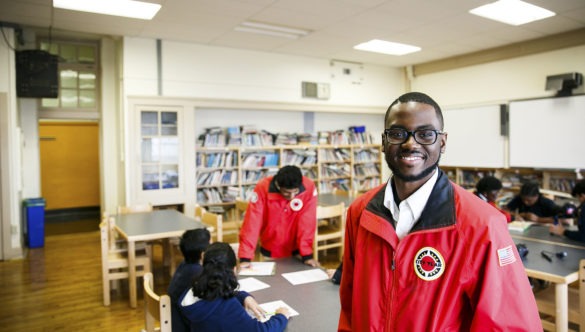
(413,134)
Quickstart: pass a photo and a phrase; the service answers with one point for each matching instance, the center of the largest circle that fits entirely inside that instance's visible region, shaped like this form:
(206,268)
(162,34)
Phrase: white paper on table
(303,277)
(270,308)
(258,269)
(252,284)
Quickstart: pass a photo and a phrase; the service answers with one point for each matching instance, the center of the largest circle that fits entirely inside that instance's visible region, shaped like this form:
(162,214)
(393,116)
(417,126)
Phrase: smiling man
(423,254)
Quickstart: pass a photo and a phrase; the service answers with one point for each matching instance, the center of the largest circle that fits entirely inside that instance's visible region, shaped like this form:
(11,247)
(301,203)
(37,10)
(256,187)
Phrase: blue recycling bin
(34,222)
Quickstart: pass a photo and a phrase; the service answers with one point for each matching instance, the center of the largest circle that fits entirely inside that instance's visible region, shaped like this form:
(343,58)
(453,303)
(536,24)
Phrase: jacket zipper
(391,301)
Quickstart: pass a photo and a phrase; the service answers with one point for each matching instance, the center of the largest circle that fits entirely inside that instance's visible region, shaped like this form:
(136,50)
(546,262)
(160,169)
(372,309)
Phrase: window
(78,76)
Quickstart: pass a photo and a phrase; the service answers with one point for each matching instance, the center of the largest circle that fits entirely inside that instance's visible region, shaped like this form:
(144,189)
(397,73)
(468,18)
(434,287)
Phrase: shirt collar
(416,201)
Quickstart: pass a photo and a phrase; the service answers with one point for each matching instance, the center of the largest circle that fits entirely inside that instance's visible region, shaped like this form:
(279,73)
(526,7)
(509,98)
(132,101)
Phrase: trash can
(34,222)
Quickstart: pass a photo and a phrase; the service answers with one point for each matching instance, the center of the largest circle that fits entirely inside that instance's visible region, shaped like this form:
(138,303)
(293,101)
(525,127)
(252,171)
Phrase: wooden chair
(240,207)
(330,229)
(115,262)
(545,299)
(157,308)
(214,223)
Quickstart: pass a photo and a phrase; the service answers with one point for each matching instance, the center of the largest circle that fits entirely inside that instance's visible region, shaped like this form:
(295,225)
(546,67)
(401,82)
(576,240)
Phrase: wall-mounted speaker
(37,74)
(564,83)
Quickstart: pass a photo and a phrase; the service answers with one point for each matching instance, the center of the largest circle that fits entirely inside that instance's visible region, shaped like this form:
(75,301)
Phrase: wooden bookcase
(222,174)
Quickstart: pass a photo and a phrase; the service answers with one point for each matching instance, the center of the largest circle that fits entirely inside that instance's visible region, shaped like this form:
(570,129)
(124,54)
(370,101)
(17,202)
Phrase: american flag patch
(506,256)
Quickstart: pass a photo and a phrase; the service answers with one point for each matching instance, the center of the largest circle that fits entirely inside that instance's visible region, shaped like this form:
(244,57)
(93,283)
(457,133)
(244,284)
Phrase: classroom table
(148,226)
(317,303)
(560,271)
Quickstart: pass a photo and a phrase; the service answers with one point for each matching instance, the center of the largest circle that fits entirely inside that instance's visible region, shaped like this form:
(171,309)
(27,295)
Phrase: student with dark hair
(282,213)
(422,253)
(579,234)
(193,243)
(487,189)
(214,304)
(530,205)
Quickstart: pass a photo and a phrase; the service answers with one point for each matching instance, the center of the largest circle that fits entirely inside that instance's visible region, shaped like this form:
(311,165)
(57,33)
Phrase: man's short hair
(289,177)
(193,244)
(418,97)
(488,183)
(579,188)
(530,189)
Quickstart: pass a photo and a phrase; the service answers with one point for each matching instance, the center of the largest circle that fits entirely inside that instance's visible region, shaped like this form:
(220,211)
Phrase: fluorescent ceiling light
(513,12)
(126,8)
(271,30)
(386,47)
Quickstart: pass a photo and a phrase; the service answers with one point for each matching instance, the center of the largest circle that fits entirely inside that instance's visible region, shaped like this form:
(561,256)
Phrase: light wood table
(148,226)
(561,271)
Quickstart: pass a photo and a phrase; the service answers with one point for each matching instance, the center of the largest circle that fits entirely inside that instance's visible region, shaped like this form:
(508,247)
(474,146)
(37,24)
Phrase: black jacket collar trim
(438,212)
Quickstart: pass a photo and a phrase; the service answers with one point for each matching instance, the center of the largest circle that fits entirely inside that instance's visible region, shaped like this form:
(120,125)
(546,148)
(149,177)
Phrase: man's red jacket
(283,226)
(457,270)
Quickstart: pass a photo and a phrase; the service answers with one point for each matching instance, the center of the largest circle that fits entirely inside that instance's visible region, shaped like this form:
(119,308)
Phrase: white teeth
(411,158)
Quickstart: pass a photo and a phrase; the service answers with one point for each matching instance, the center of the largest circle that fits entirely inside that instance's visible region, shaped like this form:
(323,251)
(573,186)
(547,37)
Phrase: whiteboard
(548,133)
(473,137)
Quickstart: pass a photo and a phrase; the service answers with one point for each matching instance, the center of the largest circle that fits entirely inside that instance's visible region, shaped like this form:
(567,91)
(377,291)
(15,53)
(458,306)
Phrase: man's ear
(383,142)
(443,142)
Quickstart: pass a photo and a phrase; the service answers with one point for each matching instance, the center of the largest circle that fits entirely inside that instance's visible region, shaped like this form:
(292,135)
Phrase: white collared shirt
(408,212)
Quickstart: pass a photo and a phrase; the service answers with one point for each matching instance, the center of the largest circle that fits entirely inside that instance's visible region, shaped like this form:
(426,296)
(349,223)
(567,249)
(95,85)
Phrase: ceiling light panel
(386,47)
(126,8)
(513,12)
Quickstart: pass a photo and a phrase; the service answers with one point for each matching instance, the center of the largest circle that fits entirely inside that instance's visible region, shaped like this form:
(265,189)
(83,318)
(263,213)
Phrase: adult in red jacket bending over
(283,212)
(423,254)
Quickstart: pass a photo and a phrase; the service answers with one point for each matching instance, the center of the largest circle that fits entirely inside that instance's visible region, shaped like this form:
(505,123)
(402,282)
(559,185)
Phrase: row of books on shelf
(217,196)
(250,136)
(300,157)
(217,177)
(366,170)
(253,176)
(565,185)
(335,170)
(220,159)
(366,155)
(328,186)
(260,159)
(334,155)
(362,185)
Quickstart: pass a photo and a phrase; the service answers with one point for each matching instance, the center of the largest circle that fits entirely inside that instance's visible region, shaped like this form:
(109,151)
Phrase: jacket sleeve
(502,298)
(307,222)
(252,225)
(243,321)
(346,285)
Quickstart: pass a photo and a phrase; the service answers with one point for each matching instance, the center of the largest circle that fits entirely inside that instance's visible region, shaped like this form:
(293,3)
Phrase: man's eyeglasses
(421,136)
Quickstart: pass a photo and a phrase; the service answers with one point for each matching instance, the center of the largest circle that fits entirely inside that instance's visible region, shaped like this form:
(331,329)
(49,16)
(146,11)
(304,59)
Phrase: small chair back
(214,223)
(157,308)
(330,229)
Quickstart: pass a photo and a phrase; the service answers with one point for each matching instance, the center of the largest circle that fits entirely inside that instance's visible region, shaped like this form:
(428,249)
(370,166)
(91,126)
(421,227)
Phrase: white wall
(11,176)
(200,71)
(501,81)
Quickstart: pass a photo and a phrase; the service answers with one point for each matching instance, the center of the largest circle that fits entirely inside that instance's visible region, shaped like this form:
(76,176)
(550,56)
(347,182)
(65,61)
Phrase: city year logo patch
(296,204)
(254,197)
(429,264)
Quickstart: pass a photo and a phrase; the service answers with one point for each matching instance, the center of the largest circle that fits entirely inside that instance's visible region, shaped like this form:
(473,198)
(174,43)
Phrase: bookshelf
(223,174)
(560,180)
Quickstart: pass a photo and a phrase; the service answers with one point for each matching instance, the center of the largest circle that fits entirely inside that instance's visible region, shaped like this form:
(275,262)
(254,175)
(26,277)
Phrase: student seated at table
(530,205)
(578,235)
(213,304)
(193,243)
(487,189)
